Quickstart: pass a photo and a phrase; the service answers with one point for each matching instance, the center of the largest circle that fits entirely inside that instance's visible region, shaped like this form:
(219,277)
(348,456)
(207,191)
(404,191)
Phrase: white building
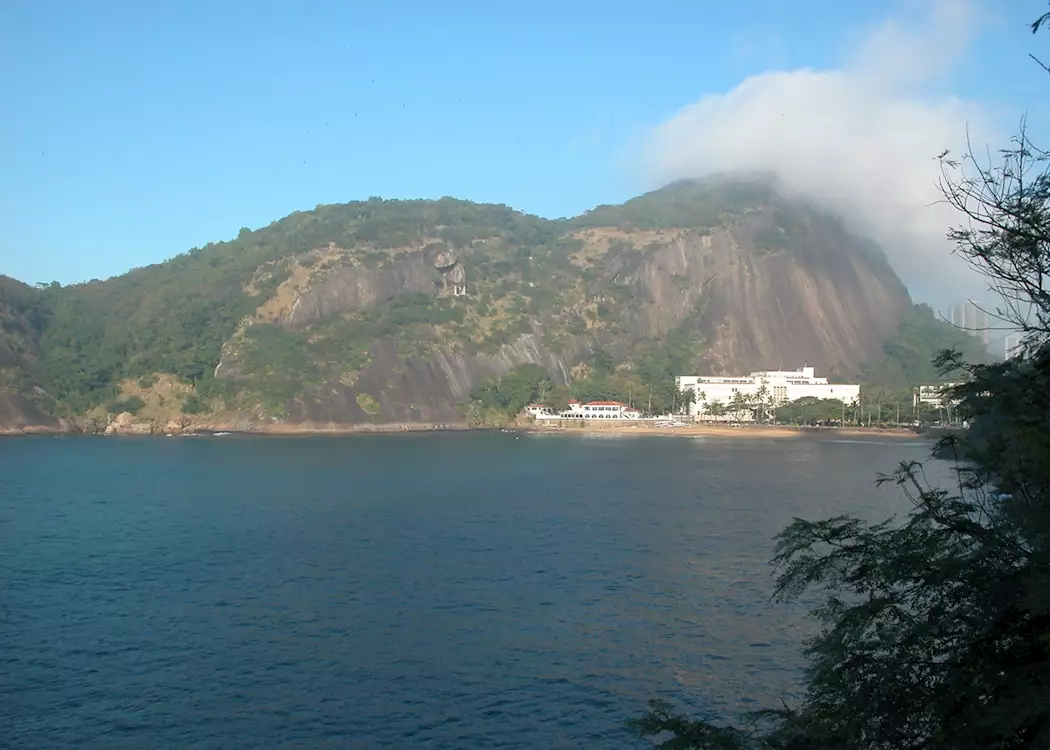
(590,410)
(600,410)
(539,411)
(782,386)
(935,395)
(1012,345)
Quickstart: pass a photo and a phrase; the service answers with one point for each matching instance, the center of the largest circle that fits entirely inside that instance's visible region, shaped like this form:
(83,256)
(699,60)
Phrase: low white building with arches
(603,410)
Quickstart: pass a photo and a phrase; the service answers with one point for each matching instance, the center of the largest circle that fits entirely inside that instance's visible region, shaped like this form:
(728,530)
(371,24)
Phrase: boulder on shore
(126,424)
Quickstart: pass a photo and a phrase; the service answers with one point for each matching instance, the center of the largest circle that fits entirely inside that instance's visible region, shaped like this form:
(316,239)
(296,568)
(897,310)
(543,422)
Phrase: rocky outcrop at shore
(126,424)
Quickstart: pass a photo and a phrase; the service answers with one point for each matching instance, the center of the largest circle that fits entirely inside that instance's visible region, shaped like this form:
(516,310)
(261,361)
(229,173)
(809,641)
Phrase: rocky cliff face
(429,389)
(759,296)
(392,312)
(819,300)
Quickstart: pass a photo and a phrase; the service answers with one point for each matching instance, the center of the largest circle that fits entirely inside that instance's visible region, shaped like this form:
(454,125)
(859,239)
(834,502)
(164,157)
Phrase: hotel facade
(781,387)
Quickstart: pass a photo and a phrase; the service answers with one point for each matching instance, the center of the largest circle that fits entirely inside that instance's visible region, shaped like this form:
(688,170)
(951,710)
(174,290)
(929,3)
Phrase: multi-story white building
(781,387)
(972,316)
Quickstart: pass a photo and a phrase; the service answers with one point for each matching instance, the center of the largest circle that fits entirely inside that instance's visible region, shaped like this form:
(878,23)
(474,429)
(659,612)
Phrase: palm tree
(758,402)
(544,386)
(739,404)
(686,398)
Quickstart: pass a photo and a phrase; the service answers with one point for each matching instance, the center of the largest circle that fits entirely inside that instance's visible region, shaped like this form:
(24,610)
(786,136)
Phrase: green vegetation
(278,364)
(645,379)
(911,351)
(194,404)
(368,404)
(21,301)
(809,411)
(132,405)
(935,627)
(685,204)
(878,407)
(526,275)
(508,395)
(23,313)
(174,317)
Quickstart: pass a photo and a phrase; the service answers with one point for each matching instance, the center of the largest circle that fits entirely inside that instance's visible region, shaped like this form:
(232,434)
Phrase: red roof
(605,403)
(573,401)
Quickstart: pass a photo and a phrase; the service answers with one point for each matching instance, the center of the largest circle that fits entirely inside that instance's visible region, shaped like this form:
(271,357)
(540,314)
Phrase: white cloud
(861,140)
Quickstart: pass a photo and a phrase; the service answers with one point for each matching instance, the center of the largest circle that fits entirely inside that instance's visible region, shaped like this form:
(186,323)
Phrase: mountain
(389,312)
(23,401)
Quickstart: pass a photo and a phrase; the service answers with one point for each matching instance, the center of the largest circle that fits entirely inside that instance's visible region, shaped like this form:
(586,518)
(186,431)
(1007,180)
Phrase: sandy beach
(726,431)
(243,427)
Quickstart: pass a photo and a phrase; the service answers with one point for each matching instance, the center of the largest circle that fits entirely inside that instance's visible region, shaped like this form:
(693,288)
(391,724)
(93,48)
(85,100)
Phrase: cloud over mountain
(860,139)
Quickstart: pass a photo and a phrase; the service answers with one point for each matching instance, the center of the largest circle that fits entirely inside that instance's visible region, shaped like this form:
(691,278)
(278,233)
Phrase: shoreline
(725,431)
(211,429)
(618,430)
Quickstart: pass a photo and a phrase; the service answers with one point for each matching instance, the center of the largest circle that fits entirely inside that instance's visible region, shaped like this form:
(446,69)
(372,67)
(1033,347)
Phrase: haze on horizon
(126,149)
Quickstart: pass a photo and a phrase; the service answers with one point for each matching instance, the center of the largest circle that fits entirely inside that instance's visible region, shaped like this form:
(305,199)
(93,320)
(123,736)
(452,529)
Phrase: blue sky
(133,131)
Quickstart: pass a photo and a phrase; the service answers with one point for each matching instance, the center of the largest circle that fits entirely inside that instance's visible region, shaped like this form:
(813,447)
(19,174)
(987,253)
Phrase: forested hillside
(23,400)
(411,311)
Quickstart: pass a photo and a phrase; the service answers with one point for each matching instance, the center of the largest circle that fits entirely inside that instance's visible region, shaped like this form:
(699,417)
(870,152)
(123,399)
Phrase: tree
(758,402)
(716,409)
(514,391)
(557,398)
(474,413)
(739,405)
(911,350)
(699,398)
(1007,219)
(685,397)
(543,388)
(810,410)
(936,627)
(874,399)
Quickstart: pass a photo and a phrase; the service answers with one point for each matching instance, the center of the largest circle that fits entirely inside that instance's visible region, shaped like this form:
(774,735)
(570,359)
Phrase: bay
(444,590)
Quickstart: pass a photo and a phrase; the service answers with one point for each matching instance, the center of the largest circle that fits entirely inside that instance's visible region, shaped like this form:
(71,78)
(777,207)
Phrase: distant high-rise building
(972,318)
(983,323)
(1011,345)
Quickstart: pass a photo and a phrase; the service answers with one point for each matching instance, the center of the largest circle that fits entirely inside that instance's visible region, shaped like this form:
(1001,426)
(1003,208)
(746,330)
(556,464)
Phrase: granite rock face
(315,321)
(823,299)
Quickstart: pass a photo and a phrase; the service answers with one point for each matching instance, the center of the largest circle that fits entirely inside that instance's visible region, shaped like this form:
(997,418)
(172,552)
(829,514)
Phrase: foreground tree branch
(1006,227)
(935,628)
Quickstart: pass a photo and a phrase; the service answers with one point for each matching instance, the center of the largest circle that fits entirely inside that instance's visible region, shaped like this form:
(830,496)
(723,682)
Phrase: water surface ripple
(431,591)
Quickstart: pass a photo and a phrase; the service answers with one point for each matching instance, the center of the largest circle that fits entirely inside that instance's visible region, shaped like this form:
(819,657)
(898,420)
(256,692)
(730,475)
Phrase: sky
(131,132)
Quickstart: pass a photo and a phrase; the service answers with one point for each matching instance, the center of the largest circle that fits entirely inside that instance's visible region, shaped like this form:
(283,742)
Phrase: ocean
(439,590)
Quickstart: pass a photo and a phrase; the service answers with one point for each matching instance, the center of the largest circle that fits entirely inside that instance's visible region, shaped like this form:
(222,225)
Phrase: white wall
(787,383)
(841,391)
(724,392)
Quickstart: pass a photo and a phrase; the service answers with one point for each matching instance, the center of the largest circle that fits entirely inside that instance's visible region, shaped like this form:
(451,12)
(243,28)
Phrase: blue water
(430,591)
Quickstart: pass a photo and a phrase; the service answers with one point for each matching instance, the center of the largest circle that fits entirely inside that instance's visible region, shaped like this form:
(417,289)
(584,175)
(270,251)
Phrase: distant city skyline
(979,319)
